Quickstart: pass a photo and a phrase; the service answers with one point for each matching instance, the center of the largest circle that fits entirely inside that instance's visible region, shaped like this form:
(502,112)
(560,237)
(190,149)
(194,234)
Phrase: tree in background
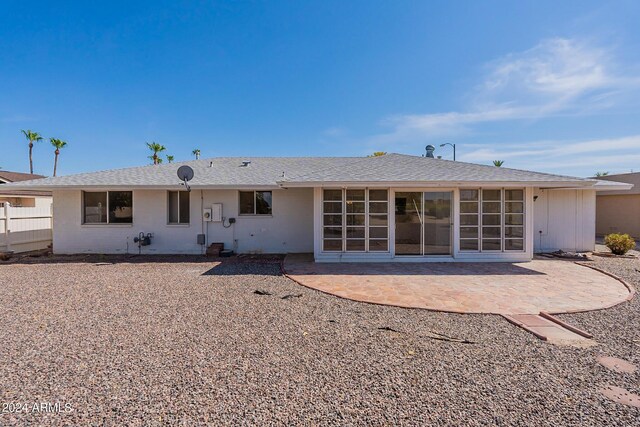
(599,174)
(31,137)
(58,144)
(196,153)
(498,163)
(169,158)
(156,148)
(377,154)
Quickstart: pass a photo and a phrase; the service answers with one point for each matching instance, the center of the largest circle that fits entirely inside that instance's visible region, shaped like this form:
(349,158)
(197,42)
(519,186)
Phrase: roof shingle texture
(269,171)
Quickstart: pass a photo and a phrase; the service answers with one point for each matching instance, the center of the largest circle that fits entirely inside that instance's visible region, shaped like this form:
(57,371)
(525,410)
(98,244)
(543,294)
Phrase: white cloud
(621,154)
(558,76)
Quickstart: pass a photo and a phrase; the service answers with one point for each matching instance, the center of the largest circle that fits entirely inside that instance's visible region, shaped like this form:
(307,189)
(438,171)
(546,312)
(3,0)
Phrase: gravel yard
(156,341)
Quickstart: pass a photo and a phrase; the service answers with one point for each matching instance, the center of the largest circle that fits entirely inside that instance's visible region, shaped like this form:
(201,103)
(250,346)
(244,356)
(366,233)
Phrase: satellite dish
(185,173)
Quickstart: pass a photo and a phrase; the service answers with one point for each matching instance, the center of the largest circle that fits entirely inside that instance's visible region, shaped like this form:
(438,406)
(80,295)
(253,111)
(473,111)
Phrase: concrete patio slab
(554,286)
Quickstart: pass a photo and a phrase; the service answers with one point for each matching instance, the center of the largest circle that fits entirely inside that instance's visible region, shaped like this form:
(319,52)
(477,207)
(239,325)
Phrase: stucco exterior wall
(618,214)
(289,229)
(564,219)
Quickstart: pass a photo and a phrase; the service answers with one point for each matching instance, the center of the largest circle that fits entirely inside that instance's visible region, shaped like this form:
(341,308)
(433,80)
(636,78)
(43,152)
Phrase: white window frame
(344,214)
(502,226)
(107,222)
(255,204)
(180,195)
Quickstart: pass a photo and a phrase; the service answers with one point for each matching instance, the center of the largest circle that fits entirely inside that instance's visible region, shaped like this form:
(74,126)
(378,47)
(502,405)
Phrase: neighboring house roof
(8,176)
(271,172)
(629,178)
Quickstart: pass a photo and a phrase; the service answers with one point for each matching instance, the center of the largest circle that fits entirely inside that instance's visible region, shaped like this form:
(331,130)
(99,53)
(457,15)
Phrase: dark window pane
(468,207)
(514,245)
(378,232)
(491,195)
(247,203)
(380,195)
(514,194)
(491,232)
(378,207)
(355,207)
(333,195)
(332,245)
(332,207)
(469,245)
(490,219)
(468,219)
(333,220)
(174,207)
(491,244)
(263,202)
(355,219)
(378,245)
(378,220)
(469,195)
(468,232)
(333,232)
(355,232)
(355,195)
(514,219)
(95,208)
(491,207)
(514,207)
(355,245)
(513,232)
(184,207)
(121,207)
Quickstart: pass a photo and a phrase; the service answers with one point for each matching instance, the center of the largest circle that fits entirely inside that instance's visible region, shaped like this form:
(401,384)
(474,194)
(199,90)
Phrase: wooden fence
(24,229)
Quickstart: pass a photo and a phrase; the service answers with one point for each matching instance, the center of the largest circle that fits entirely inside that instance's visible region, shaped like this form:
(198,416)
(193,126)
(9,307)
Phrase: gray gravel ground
(174,342)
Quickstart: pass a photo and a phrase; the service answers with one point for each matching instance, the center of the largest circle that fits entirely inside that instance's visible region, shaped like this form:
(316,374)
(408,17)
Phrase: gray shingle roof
(268,171)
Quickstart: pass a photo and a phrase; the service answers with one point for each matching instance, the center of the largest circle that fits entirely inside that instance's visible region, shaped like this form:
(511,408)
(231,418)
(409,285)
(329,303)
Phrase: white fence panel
(25,229)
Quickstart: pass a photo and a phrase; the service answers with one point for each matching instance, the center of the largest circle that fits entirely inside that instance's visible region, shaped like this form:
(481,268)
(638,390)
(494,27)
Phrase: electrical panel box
(206,214)
(216,212)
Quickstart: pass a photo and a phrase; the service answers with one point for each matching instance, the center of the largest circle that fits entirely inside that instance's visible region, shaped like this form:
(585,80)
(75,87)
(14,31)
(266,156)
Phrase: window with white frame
(178,207)
(256,203)
(107,207)
(355,220)
(491,220)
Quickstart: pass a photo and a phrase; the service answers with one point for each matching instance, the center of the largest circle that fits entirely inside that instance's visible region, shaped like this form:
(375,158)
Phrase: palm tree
(169,158)
(599,174)
(156,148)
(159,160)
(377,154)
(196,153)
(31,137)
(498,163)
(58,144)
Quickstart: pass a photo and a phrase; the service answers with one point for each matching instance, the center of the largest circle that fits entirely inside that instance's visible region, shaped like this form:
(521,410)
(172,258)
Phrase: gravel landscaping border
(186,341)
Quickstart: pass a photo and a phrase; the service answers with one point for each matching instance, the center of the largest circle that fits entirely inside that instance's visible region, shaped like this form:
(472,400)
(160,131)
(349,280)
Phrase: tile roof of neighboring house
(629,178)
(8,176)
(230,172)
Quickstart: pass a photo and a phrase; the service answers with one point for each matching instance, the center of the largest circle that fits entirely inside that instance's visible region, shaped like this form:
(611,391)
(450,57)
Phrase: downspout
(202,247)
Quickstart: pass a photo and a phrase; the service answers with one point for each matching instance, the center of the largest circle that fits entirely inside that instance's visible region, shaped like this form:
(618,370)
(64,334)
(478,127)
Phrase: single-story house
(388,208)
(22,198)
(619,211)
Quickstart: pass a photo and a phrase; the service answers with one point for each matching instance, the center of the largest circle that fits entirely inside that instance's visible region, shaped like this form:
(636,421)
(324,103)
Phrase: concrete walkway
(554,286)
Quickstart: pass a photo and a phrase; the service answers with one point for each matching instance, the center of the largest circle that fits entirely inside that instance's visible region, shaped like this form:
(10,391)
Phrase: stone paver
(553,286)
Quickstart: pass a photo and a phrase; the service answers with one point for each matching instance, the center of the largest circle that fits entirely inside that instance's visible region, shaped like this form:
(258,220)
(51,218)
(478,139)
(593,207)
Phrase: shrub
(619,244)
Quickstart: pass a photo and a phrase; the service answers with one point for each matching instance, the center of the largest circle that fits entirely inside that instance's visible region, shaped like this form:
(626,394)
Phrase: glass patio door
(423,223)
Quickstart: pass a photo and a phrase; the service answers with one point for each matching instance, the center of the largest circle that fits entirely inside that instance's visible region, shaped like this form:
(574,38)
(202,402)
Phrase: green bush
(619,244)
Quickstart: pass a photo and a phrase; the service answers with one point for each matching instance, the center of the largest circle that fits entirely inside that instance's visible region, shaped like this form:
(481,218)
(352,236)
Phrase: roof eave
(421,184)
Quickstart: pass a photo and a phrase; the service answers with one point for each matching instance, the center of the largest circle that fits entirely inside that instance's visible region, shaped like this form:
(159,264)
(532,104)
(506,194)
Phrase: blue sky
(544,85)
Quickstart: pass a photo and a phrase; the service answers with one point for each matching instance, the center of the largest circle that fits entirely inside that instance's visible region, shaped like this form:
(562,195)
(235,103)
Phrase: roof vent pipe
(430,149)
(246,162)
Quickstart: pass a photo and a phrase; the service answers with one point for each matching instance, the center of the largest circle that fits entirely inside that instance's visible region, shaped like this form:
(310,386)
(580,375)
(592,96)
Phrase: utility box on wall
(216,212)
